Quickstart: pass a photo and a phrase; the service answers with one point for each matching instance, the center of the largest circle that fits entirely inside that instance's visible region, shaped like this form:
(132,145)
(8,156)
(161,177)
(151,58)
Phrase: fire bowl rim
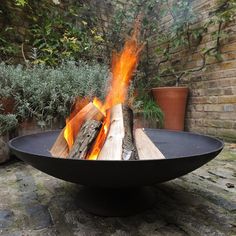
(221,146)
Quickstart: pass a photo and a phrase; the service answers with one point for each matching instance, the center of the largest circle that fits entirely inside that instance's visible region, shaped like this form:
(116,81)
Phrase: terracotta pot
(7,105)
(172,101)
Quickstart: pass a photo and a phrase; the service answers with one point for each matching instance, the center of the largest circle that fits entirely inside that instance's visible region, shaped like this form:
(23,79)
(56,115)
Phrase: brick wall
(212,103)
(211,106)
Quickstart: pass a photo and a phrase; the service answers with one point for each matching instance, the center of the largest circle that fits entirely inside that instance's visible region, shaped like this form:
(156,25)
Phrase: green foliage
(21,3)
(7,123)
(143,103)
(56,38)
(48,93)
(7,80)
(146,106)
(7,48)
(121,18)
(57,30)
(226,10)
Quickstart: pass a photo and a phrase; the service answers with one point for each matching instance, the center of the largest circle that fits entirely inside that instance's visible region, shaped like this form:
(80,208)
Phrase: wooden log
(60,147)
(128,148)
(112,148)
(89,112)
(87,134)
(145,147)
(119,142)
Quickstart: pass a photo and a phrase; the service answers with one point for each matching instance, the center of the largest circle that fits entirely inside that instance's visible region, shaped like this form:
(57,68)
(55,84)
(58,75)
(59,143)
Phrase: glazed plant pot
(172,101)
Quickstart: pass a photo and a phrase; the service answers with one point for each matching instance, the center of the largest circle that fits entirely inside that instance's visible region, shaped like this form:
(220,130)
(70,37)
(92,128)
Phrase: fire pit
(100,147)
(184,152)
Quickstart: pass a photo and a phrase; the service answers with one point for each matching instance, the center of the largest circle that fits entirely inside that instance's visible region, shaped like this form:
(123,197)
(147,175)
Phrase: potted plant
(172,101)
(146,113)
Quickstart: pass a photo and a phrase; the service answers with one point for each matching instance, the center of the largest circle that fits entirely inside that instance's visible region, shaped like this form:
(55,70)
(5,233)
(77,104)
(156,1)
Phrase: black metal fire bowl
(184,153)
(118,186)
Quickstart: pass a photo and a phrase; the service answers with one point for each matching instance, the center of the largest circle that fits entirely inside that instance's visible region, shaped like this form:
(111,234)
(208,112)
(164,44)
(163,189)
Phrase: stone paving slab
(200,203)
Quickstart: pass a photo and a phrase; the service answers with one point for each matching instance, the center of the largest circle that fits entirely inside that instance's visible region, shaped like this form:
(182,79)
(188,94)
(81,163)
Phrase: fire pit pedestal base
(115,202)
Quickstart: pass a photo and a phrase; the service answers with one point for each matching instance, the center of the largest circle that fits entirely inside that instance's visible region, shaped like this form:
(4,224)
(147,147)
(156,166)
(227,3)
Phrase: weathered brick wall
(212,102)
(211,106)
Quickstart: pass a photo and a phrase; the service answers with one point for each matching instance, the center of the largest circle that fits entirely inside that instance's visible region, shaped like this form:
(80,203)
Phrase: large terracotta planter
(172,101)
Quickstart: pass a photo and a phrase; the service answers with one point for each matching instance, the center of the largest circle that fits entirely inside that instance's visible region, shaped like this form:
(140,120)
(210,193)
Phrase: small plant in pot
(146,112)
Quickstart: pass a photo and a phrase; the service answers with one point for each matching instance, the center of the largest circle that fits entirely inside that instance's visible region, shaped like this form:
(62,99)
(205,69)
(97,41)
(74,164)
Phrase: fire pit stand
(117,187)
(115,202)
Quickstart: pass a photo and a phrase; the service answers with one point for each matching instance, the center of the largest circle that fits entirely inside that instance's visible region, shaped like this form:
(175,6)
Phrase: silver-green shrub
(47,93)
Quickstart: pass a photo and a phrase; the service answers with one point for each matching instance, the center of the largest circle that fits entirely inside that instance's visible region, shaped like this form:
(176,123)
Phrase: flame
(78,105)
(70,131)
(123,65)
(98,104)
(68,134)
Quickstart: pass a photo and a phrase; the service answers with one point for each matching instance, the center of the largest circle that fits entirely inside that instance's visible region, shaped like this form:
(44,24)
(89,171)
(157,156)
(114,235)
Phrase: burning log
(119,142)
(84,139)
(61,147)
(145,147)
(129,149)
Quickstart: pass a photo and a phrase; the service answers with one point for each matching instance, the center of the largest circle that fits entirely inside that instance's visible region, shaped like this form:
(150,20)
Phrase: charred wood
(87,134)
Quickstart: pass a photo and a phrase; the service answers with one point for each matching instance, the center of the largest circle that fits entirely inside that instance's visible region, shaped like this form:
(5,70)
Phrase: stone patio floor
(200,203)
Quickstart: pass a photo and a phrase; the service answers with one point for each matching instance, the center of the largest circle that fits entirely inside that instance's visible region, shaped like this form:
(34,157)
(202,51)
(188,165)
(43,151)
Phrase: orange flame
(78,105)
(123,65)
(98,104)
